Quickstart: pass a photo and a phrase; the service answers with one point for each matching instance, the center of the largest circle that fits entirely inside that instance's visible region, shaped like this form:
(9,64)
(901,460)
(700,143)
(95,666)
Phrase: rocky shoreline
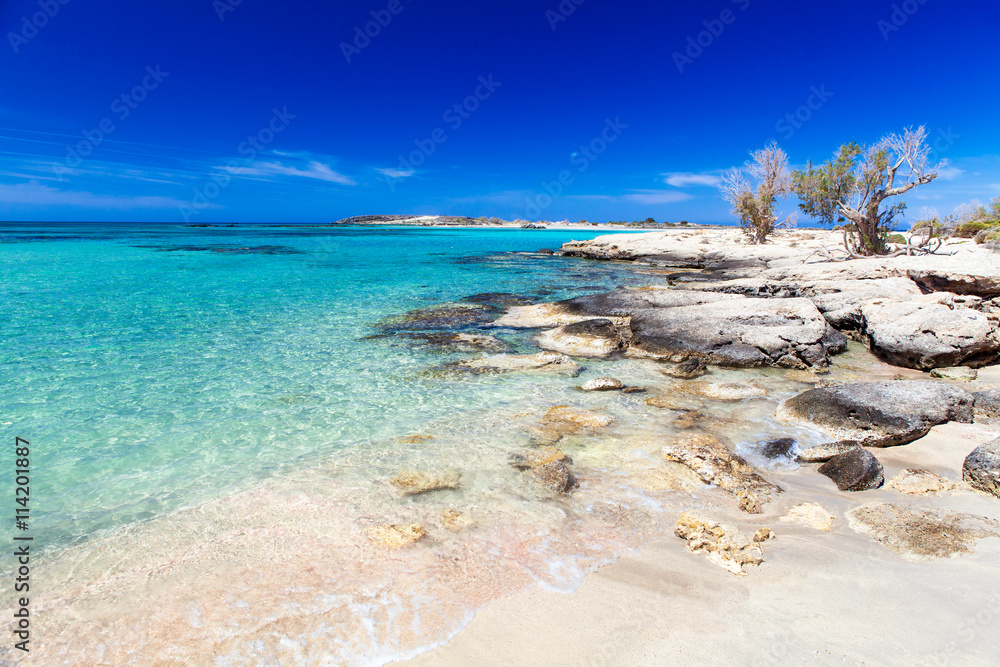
(722,305)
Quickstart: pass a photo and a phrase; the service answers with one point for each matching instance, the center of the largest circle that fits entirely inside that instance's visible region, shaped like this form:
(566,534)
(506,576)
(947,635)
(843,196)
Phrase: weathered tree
(753,191)
(854,185)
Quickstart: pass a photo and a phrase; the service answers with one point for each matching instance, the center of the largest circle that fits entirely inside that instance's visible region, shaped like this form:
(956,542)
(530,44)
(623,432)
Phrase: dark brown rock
(856,470)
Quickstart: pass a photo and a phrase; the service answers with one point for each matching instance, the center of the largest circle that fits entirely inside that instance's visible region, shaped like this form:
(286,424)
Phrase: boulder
(503,363)
(879,414)
(840,300)
(602,384)
(982,468)
(739,333)
(932,332)
(414,482)
(960,373)
(687,370)
(626,302)
(617,304)
(589,338)
(855,470)
(921,533)
(826,451)
(917,482)
(988,403)
(716,464)
(723,545)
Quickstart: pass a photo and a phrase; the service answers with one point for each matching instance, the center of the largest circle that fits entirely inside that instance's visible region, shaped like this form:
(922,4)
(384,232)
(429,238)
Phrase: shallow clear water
(154,366)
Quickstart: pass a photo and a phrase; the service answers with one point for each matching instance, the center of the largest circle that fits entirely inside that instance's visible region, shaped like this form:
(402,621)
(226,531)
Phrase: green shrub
(969,230)
(987,235)
(896,238)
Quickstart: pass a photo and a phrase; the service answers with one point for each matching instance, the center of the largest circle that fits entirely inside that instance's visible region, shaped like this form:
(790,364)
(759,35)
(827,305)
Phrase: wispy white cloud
(397,173)
(313,169)
(683,179)
(38,194)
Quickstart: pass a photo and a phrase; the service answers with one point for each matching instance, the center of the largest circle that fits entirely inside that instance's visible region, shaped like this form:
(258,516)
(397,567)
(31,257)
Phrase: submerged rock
(672,402)
(918,482)
(503,363)
(441,317)
(687,370)
(602,384)
(982,468)
(458,342)
(394,535)
(776,449)
(810,515)
(921,533)
(689,419)
(549,466)
(561,421)
(826,451)
(723,545)
(880,414)
(589,338)
(414,482)
(725,391)
(716,464)
(738,333)
(933,332)
(855,470)
(956,373)
(414,439)
(584,418)
(455,521)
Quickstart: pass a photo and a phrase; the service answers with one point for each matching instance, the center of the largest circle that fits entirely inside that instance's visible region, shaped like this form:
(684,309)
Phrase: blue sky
(246,110)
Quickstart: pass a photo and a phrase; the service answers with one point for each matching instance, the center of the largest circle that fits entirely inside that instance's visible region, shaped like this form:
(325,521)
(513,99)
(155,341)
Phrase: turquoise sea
(154,366)
(214,414)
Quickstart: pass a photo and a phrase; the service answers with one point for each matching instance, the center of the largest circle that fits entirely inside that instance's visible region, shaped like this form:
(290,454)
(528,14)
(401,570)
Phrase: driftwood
(929,245)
